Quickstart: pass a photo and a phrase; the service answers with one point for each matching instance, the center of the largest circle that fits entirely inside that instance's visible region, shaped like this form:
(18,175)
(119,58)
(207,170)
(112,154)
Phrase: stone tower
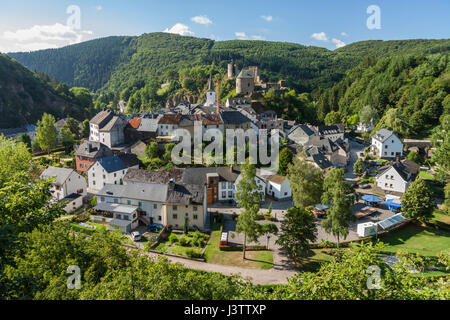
(245,82)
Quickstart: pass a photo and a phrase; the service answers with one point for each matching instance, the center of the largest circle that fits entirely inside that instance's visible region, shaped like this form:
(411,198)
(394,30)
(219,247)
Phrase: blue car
(154,227)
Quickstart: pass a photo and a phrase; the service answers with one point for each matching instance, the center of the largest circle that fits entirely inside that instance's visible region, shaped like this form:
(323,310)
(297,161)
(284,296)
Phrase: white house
(110,170)
(278,187)
(107,128)
(168,123)
(123,218)
(364,128)
(385,144)
(397,177)
(68,186)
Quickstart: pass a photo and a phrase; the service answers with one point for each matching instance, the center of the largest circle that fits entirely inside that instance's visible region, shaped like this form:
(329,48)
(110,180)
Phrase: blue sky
(30,25)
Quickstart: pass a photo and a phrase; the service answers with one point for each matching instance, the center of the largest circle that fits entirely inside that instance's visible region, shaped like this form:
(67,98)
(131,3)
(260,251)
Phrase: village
(114,185)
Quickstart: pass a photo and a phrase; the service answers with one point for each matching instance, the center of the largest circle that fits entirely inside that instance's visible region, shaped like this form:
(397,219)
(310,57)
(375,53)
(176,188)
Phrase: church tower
(210,94)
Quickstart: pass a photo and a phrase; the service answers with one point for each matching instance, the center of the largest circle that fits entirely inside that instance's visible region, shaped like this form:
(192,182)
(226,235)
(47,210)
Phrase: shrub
(173,238)
(191,253)
(184,241)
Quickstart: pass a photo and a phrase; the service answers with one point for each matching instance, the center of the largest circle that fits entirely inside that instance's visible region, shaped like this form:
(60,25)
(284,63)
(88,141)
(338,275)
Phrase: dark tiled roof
(185,194)
(331,129)
(209,119)
(323,144)
(129,159)
(170,119)
(112,164)
(234,117)
(161,177)
(102,115)
(197,176)
(410,166)
(382,135)
(112,123)
(97,149)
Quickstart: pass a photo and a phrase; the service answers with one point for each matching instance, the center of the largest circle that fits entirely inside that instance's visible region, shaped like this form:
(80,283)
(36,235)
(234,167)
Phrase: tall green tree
(441,141)
(25,138)
(368,115)
(74,127)
(85,129)
(306,183)
(151,150)
(14,158)
(339,214)
(285,158)
(298,230)
(417,202)
(67,138)
(358,167)
(46,133)
(248,198)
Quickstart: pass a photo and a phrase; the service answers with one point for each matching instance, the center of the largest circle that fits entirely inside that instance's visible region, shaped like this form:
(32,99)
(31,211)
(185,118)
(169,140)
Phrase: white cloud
(99,8)
(241,35)
(180,29)
(338,43)
(267,18)
(256,37)
(344,34)
(320,36)
(201,20)
(41,37)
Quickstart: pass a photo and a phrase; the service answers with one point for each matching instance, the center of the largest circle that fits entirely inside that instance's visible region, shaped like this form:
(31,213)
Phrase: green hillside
(25,96)
(409,92)
(115,63)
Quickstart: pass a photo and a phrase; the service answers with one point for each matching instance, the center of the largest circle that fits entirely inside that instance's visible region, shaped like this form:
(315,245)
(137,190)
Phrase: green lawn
(255,259)
(182,250)
(426,175)
(417,239)
(162,247)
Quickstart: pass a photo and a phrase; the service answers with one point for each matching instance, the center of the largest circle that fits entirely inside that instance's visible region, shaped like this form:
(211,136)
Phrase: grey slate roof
(382,135)
(234,117)
(161,177)
(112,164)
(197,176)
(246,73)
(137,191)
(148,125)
(321,144)
(185,194)
(96,149)
(331,129)
(59,174)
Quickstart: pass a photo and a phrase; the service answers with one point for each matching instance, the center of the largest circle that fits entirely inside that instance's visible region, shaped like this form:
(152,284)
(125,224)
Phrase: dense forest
(25,96)
(408,79)
(115,63)
(413,90)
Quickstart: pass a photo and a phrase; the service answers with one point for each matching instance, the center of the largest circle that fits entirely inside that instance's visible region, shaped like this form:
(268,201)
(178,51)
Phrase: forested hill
(25,96)
(408,92)
(115,63)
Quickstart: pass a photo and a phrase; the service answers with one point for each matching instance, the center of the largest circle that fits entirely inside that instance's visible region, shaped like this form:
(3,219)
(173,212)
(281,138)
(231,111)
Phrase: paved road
(355,149)
(257,276)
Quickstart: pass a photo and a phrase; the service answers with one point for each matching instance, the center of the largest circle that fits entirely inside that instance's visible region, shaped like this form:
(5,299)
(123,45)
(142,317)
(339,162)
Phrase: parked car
(136,236)
(154,227)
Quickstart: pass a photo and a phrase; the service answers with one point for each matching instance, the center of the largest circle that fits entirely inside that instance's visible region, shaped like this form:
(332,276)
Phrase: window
(386,147)
(159,218)
(175,216)
(285,193)
(93,182)
(102,199)
(224,194)
(104,177)
(195,217)
(175,208)
(392,177)
(128,202)
(116,200)
(115,174)
(140,204)
(186,214)
(155,206)
(230,194)
(194,208)
(390,185)
(392,141)
(385,153)
(392,153)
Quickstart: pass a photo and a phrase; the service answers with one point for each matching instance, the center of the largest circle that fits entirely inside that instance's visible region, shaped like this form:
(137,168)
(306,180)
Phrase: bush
(191,253)
(173,238)
(184,241)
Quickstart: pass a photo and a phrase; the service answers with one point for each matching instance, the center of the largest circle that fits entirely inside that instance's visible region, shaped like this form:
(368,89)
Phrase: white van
(136,236)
